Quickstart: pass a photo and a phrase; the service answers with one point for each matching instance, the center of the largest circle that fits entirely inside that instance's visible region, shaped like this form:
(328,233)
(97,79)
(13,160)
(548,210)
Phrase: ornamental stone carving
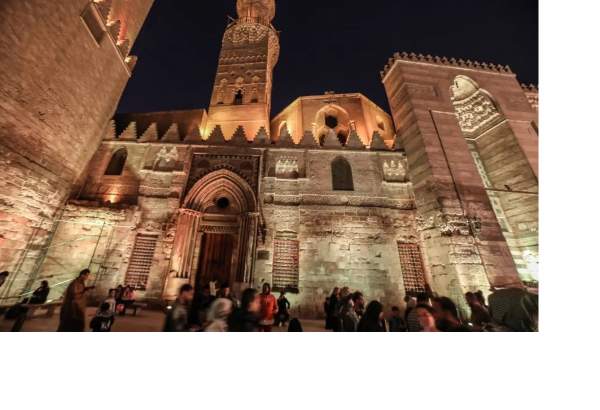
(475,111)
(287,168)
(394,170)
(165,159)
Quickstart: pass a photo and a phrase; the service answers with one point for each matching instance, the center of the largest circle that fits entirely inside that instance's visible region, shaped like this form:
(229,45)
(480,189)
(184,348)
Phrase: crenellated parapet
(532,93)
(149,131)
(114,27)
(444,61)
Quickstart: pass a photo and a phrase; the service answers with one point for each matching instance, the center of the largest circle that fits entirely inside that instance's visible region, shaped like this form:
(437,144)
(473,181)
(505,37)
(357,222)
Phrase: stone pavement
(145,321)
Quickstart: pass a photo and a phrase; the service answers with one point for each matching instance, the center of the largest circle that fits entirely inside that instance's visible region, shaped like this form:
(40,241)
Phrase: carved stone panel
(246,166)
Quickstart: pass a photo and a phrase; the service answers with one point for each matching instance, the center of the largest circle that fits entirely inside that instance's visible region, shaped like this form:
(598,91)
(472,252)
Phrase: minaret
(242,90)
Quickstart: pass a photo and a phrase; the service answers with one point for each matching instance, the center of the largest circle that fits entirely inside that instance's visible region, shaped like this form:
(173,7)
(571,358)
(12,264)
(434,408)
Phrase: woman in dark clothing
(332,322)
(246,318)
(295,326)
(372,320)
(40,295)
(283,306)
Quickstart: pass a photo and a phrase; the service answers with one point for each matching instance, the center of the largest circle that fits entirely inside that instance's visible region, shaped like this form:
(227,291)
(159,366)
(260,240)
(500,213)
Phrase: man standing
(72,313)
(177,317)
(268,308)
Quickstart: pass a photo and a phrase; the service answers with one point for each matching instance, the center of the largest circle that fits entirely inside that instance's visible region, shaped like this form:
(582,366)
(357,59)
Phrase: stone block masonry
(60,82)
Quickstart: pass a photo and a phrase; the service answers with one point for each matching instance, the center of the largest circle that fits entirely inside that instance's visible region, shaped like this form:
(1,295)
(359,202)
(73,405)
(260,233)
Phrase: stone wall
(463,241)
(59,86)
(346,238)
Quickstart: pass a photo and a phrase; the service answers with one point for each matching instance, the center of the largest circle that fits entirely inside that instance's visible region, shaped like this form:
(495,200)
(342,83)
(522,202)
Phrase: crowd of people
(516,310)
(216,309)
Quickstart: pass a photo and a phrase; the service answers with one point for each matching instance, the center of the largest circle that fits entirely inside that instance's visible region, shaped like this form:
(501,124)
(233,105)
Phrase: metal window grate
(285,264)
(141,261)
(412,268)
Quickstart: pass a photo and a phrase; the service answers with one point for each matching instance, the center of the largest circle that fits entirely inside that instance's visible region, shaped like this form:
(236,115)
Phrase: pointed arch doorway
(215,238)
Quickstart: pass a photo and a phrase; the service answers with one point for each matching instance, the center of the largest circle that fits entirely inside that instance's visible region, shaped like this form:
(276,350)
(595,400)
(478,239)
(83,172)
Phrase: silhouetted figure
(283,314)
(268,308)
(103,320)
(332,318)
(372,320)
(177,316)
(295,326)
(479,314)
(119,298)
(396,321)
(218,314)
(40,295)
(246,317)
(446,316)
(72,313)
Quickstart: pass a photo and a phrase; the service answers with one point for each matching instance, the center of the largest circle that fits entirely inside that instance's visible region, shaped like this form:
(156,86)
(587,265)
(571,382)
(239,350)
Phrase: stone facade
(332,191)
(64,67)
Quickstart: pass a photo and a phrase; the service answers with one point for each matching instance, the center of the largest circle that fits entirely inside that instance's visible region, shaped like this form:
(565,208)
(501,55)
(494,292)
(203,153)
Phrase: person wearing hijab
(372,320)
(218,314)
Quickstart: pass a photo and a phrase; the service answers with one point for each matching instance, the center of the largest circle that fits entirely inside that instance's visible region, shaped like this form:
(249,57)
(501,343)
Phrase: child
(103,320)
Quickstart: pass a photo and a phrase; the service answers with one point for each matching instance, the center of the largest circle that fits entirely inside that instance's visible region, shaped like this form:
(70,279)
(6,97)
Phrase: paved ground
(145,321)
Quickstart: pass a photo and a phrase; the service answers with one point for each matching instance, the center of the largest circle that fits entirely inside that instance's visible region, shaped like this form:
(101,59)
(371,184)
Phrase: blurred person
(177,319)
(283,307)
(218,314)
(246,317)
(72,312)
(425,315)
(396,321)
(295,326)
(268,308)
(372,320)
(446,316)
(103,320)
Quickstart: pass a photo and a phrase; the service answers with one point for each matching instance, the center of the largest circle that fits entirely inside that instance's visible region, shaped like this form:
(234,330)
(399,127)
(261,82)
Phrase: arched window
(117,163)
(341,175)
(239,98)
(331,121)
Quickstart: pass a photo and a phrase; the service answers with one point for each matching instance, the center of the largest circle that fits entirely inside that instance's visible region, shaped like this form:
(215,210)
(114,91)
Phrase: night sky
(338,45)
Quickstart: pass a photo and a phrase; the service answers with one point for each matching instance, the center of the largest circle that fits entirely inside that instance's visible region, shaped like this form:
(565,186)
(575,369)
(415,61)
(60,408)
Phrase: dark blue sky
(338,45)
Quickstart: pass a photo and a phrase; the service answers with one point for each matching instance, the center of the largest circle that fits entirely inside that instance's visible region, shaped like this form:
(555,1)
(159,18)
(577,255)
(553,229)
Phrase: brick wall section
(58,89)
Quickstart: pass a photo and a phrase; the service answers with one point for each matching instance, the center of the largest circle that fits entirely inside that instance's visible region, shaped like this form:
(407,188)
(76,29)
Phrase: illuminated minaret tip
(258,9)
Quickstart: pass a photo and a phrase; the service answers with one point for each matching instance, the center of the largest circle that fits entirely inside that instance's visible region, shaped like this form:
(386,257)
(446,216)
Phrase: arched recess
(506,174)
(341,175)
(332,117)
(117,162)
(218,219)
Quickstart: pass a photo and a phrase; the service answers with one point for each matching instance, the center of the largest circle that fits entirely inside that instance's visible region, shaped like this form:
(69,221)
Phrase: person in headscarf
(372,320)
(72,313)
(218,313)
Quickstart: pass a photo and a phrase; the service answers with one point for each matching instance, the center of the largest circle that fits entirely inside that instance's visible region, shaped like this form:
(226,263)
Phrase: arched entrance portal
(215,239)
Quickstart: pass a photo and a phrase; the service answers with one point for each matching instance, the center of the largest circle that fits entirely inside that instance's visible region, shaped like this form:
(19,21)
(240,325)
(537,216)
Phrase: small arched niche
(341,175)
(117,162)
